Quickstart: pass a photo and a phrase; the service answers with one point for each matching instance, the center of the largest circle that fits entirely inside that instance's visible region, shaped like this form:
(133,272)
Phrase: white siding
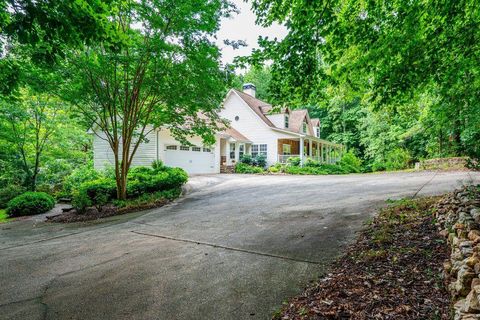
(165,138)
(278,120)
(250,125)
(144,156)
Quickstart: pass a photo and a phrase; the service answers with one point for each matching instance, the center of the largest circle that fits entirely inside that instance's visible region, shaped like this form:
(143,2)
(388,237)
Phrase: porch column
(237,152)
(321,152)
(227,151)
(318,151)
(301,151)
(310,147)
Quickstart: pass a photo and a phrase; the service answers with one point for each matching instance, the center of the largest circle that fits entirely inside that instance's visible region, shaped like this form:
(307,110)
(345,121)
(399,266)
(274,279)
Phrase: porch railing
(283,158)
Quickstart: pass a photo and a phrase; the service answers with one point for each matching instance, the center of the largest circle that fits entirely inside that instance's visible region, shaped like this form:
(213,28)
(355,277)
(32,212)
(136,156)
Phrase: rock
(471,305)
(444,233)
(475,214)
(458,226)
(474,235)
(464,280)
(476,268)
(471,261)
(447,266)
(464,217)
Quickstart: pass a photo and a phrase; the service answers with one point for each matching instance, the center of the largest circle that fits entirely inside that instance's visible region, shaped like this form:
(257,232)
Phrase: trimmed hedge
(30,203)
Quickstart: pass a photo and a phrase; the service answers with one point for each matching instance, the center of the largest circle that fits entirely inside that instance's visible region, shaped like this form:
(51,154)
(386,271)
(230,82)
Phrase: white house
(255,128)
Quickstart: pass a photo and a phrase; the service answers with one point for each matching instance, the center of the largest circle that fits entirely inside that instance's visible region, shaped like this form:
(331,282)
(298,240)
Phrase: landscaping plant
(30,203)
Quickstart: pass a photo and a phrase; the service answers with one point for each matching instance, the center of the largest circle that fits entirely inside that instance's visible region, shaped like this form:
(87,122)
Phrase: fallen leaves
(392,271)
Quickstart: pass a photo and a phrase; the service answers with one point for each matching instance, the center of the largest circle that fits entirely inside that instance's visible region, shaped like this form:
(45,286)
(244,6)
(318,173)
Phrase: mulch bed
(94,213)
(392,271)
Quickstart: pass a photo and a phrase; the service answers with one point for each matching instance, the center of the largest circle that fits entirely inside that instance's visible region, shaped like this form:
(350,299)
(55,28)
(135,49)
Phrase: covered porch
(309,148)
(233,146)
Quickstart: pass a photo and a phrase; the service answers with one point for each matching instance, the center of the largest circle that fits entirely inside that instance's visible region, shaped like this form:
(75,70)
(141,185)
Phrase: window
(241,151)
(232,150)
(184,148)
(286,121)
(318,132)
(207,150)
(259,149)
(171,148)
(287,149)
(197,149)
(304,127)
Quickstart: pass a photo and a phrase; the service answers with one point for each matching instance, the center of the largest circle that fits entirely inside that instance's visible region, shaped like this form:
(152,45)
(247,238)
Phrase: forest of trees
(389,79)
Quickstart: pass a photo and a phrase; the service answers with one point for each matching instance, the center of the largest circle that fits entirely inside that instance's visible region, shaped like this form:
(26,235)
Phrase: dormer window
(317,129)
(286,121)
(304,127)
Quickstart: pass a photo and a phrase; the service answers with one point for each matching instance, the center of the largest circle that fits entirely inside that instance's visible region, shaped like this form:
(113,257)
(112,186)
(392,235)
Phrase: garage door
(191,159)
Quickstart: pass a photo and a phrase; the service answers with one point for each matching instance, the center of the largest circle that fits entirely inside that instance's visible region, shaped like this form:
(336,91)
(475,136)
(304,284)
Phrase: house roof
(256,105)
(315,122)
(261,108)
(235,135)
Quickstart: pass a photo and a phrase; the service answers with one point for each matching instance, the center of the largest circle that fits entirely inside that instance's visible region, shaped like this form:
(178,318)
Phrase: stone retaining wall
(458,216)
(444,163)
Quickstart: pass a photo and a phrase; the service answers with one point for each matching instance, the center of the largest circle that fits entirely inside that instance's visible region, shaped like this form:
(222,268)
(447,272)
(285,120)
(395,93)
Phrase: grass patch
(3,216)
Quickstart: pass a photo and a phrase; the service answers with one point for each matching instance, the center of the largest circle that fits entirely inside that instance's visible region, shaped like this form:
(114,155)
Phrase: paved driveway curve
(235,247)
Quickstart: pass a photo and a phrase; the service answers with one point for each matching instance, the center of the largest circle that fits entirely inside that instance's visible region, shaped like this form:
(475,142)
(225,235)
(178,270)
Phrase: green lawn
(3,216)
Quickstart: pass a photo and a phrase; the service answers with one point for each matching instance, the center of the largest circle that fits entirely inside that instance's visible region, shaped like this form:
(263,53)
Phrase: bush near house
(348,164)
(245,168)
(30,203)
(141,181)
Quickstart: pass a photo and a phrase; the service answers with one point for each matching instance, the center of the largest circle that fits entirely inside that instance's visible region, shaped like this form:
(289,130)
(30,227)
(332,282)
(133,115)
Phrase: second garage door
(194,160)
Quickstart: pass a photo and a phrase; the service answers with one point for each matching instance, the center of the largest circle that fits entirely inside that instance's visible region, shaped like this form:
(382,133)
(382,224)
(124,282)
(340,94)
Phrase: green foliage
(141,181)
(350,160)
(247,159)
(294,161)
(8,193)
(245,168)
(397,159)
(273,169)
(259,161)
(30,203)
(380,75)
(95,192)
(78,176)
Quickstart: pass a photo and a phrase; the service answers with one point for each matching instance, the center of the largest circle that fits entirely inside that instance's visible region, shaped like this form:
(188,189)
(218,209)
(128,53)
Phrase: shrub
(312,163)
(247,159)
(273,169)
(8,193)
(158,165)
(294,161)
(141,181)
(351,162)
(245,168)
(397,159)
(260,161)
(96,192)
(304,170)
(80,175)
(30,203)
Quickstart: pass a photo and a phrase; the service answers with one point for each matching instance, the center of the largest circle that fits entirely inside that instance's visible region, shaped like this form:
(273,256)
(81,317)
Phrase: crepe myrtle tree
(165,71)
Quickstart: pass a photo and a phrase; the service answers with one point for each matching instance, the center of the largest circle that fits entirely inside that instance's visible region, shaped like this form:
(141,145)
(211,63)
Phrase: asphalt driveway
(235,247)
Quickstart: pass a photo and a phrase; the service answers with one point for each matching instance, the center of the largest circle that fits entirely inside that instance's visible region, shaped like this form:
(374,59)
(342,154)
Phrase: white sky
(242,27)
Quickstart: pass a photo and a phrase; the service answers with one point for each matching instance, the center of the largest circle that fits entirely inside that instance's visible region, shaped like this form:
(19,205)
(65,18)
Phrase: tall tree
(166,74)
(392,55)
(28,125)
